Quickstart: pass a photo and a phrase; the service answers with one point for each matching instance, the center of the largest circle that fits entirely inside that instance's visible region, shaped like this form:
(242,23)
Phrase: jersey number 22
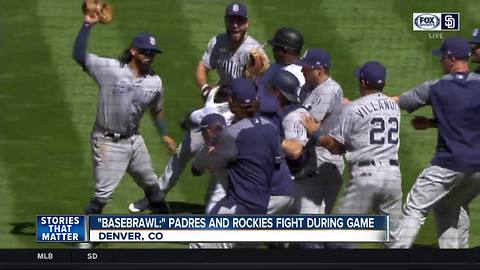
(377,133)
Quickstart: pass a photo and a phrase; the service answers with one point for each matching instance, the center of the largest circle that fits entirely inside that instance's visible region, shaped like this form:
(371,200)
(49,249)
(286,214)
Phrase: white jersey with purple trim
(369,128)
(212,107)
(229,64)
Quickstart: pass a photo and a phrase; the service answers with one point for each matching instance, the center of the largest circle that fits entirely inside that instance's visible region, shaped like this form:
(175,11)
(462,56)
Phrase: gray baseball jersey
(324,103)
(229,64)
(123,98)
(369,128)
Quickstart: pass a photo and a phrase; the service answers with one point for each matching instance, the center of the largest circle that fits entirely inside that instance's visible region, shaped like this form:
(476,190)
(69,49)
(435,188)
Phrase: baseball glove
(257,64)
(102,9)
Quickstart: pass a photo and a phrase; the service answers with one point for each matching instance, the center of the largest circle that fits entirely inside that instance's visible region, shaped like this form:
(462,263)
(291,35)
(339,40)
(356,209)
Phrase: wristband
(316,135)
(161,126)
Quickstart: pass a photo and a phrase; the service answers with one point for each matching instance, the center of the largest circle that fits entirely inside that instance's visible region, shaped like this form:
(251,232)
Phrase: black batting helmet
(287,38)
(287,83)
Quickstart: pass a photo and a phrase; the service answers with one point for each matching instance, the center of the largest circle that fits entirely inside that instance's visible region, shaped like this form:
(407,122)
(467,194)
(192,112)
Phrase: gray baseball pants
(448,193)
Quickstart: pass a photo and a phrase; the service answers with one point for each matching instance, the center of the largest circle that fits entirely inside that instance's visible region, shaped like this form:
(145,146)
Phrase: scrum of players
(277,142)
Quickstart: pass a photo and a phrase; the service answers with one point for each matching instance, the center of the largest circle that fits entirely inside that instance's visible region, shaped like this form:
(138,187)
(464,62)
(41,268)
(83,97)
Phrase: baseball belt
(365,163)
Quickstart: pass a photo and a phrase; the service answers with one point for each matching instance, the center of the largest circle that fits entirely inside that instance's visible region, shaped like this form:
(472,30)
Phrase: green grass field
(48,104)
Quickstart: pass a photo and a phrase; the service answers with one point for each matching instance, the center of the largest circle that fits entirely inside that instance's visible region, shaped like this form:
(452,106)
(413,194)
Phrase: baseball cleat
(139,206)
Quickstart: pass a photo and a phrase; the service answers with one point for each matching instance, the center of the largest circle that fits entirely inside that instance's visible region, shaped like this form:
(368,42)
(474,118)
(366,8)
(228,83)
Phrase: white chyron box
(436,21)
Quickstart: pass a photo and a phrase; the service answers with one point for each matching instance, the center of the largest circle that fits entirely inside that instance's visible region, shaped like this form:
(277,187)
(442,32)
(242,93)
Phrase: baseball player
(251,144)
(249,149)
(475,44)
(228,54)
(216,102)
(287,118)
(211,125)
(452,180)
(368,133)
(287,44)
(322,96)
(127,88)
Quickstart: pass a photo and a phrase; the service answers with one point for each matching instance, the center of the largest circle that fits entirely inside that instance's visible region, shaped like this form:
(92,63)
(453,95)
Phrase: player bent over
(128,87)
(210,126)
(368,133)
(216,102)
(452,180)
(249,150)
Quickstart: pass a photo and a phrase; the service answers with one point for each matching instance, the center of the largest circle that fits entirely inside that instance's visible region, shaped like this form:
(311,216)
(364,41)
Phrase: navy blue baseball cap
(236,9)
(243,91)
(212,120)
(373,73)
(315,58)
(475,36)
(146,41)
(457,47)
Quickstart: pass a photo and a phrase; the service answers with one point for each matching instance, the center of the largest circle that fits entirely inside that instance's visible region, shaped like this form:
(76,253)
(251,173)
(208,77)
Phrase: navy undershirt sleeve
(80,47)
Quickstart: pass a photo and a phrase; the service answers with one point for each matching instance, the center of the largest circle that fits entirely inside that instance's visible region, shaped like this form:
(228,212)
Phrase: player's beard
(143,64)
(237,37)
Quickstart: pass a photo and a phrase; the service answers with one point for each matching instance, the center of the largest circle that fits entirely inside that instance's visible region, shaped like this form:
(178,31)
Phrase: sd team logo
(436,21)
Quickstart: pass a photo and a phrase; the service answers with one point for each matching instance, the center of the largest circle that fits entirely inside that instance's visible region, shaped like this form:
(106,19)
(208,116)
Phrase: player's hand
(421,122)
(206,90)
(170,143)
(292,148)
(396,99)
(310,124)
(346,101)
(91,18)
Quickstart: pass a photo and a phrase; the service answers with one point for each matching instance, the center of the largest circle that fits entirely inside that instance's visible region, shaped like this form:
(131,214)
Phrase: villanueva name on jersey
(378,105)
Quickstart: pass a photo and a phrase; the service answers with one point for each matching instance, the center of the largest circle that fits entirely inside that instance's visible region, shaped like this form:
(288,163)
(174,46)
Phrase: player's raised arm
(80,47)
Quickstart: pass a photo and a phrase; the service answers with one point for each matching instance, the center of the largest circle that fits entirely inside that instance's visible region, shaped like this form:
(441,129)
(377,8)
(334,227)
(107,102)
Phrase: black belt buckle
(364,163)
(115,136)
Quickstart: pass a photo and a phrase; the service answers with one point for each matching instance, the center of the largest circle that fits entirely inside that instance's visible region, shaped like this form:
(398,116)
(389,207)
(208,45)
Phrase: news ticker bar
(280,256)
(212,228)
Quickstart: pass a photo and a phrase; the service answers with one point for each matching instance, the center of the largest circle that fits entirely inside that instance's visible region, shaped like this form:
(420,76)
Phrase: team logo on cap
(235,8)
(153,42)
